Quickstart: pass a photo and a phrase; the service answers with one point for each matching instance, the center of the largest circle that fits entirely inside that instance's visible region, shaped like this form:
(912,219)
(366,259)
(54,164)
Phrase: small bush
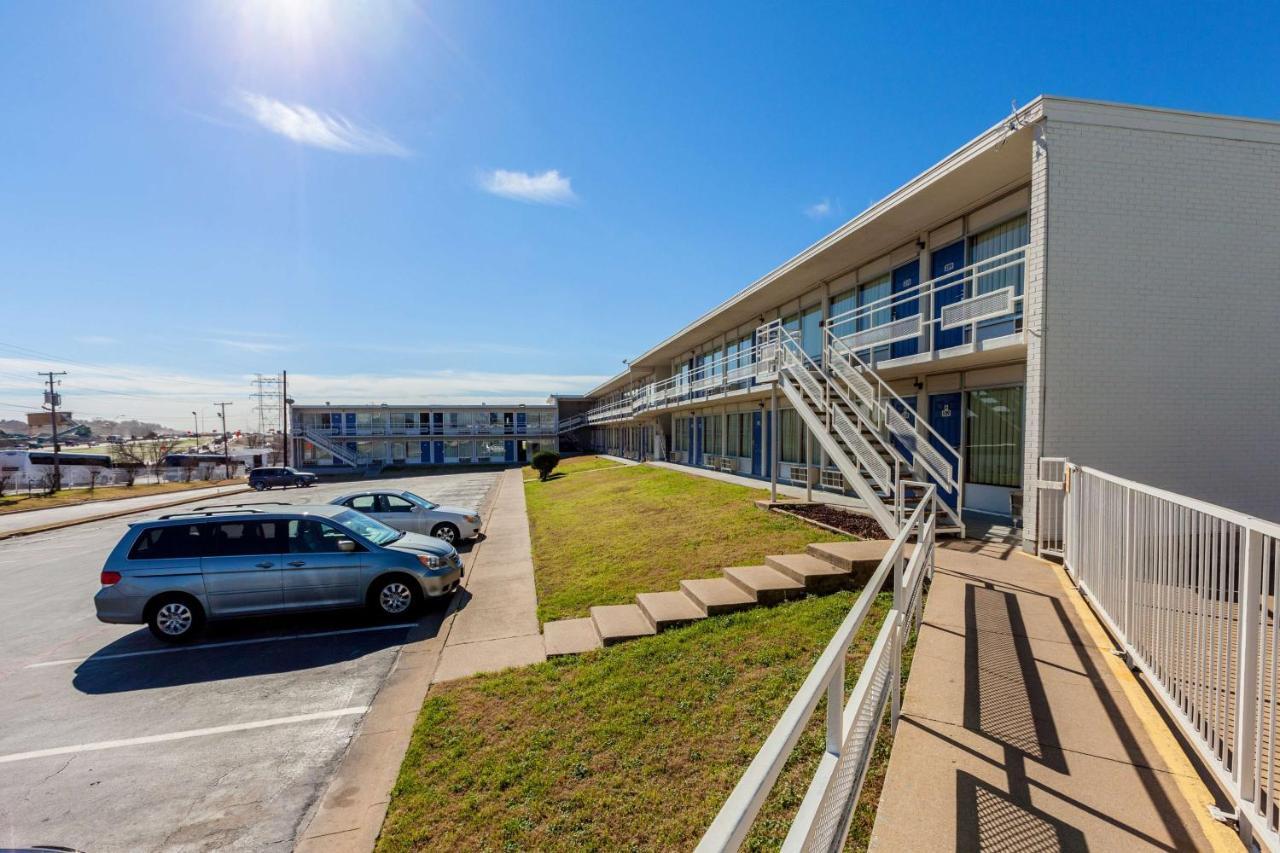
(544,462)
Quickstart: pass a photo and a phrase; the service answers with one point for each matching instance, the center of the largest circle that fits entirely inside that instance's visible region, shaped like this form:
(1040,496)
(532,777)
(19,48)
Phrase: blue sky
(470,200)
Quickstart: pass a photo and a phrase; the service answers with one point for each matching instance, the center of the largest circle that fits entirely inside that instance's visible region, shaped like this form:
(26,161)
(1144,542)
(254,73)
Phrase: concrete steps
(823,568)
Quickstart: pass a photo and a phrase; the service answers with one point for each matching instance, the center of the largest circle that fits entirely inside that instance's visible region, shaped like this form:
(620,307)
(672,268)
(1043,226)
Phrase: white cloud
(249,345)
(820,210)
(307,126)
(549,187)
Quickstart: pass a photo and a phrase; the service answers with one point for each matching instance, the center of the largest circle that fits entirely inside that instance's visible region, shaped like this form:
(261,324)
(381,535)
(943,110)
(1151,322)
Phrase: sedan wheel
(446,532)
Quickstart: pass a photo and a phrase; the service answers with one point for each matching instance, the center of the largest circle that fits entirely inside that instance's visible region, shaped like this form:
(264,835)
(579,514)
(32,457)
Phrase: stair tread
(667,609)
(618,622)
(570,636)
(769,586)
(800,566)
(717,595)
(851,556)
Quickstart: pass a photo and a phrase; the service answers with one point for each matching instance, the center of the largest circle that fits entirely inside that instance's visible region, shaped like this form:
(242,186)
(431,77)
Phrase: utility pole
(196,418)
(51,397)
(226,450)
(286,435)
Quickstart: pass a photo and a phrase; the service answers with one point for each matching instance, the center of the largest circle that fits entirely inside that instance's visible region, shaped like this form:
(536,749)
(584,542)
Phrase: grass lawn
(66,497)
(631,747)
(601,539)
(574,465)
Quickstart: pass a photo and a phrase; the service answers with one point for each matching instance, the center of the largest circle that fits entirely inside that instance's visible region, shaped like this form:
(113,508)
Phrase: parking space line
(189,733)
(222,645)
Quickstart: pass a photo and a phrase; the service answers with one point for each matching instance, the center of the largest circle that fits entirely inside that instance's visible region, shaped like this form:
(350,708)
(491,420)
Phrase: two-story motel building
(1084,280)
(336,436)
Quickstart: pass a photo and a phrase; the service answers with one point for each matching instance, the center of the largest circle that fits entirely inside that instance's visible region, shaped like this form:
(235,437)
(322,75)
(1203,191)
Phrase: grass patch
(631,747)
(573,465)
(602,539)
(68,497)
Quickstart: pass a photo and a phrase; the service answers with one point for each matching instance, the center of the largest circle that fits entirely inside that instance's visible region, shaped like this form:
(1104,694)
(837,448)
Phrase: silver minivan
(178,571)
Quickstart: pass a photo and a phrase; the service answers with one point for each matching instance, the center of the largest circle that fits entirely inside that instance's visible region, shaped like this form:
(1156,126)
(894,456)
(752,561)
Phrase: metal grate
(997,303)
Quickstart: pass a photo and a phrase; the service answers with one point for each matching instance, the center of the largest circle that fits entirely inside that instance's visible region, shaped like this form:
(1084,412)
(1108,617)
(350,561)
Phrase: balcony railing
(947,315)
(949,312)
(727,373)
(427,431)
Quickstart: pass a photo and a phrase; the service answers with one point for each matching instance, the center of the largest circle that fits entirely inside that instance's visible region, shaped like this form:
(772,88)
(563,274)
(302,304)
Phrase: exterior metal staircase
(875,440)
(337,449)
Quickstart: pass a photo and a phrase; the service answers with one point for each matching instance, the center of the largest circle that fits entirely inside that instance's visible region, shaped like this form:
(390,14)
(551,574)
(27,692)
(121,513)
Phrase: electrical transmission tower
(269,397)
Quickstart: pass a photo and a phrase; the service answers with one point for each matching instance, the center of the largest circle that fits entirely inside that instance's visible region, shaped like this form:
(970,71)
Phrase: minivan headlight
(431,561)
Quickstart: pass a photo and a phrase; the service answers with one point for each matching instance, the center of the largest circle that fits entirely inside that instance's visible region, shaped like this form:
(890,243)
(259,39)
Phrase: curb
(58,525)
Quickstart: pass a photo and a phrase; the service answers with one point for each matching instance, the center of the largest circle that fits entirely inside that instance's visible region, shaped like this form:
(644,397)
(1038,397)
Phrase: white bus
(22,468)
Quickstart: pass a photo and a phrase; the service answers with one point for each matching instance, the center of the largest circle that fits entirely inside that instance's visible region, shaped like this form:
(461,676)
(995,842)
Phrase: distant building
(423,434)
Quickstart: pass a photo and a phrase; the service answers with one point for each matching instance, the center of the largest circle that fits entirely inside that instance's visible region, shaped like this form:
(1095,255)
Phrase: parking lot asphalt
(110,740)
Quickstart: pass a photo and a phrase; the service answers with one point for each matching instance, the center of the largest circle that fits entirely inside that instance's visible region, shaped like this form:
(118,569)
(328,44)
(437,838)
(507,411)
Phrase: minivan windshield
(375,531)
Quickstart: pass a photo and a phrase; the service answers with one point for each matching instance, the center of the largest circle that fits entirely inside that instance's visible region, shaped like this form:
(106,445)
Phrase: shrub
(544,462)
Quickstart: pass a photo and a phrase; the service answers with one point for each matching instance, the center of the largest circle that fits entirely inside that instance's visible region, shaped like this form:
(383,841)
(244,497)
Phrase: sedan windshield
(375,531)
(420,501)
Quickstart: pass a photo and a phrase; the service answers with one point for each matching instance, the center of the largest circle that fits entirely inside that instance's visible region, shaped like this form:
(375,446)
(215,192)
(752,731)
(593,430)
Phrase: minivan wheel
(260,486)
(175,618)
(446,532)
(395,597)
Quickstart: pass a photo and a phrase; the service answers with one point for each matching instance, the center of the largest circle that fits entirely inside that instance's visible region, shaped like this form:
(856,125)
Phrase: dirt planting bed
(862,526)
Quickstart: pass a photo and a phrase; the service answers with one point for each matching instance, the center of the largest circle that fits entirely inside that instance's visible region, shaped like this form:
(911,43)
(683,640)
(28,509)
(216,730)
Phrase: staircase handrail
(834,341)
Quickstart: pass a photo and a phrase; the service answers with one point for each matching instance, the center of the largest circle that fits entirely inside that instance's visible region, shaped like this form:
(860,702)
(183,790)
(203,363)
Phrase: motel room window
(987,244)
(712,434)
(489,450)
(843,303)
(738,437)
(681,428)
(994,437)
(874,292)
(811,332)
(792,436)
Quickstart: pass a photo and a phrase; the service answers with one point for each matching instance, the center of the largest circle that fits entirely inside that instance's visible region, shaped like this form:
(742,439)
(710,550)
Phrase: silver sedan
(413,513)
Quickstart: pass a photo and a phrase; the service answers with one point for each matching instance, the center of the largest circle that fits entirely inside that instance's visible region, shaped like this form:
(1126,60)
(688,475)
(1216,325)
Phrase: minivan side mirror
(346,546)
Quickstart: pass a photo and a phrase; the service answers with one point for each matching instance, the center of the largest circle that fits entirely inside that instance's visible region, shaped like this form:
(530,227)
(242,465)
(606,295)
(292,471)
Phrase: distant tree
(544,462)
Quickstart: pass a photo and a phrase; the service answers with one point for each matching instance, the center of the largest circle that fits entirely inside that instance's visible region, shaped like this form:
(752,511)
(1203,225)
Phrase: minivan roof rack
(250,503)
(202,512)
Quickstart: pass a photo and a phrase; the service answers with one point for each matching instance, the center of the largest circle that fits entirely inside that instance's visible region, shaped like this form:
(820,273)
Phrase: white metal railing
(882,410)
(1188,590)
(332,447)
(570,424)
(822,821)
(720,375)
(902,316)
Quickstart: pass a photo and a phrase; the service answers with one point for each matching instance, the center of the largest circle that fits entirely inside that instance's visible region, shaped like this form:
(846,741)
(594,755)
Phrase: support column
(808,466)
(773,443)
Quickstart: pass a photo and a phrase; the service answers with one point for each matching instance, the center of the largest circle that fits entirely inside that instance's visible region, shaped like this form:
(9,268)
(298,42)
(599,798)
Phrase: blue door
(437,452)
(509,451)
(352,448)
(944,416)
(757,446)
(351,423)
(425,450)
(944,261)
(699,424)
(522,423)
(905,278)
(437,424)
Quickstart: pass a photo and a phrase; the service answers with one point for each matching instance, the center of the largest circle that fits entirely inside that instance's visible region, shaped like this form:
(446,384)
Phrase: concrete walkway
(759,485)
(496,624)
(14,521)
(1020,730)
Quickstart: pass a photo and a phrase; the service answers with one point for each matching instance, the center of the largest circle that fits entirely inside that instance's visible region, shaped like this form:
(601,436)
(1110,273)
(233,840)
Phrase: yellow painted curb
(1221,837)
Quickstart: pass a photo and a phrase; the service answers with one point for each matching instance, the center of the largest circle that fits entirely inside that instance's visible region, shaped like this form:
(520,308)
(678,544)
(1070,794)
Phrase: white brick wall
(1160,359)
